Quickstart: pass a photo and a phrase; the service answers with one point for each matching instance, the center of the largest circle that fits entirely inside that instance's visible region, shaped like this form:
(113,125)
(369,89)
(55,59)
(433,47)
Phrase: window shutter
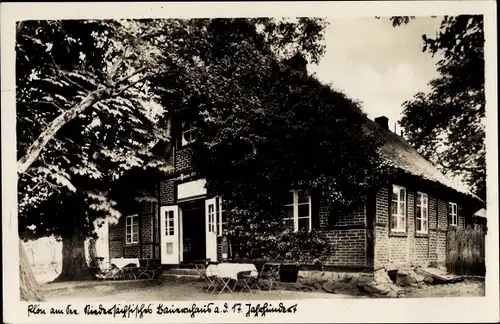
(315,217)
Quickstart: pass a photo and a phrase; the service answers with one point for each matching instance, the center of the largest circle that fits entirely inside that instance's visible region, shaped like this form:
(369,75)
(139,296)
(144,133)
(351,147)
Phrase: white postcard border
(325,310)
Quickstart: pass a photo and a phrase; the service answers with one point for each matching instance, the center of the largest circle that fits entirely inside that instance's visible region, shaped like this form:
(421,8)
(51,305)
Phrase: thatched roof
(402,155)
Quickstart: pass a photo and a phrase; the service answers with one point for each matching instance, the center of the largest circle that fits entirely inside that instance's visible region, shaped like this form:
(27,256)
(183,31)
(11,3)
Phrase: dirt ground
(467,288)
(147,290)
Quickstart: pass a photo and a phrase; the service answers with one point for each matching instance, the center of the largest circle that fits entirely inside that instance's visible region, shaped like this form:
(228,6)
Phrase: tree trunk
(30,290)
(74,263)
(93,262)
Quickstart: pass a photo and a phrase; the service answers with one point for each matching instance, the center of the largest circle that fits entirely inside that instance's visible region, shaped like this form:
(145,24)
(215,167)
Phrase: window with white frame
(422,213)
(298,210)
(398,209)
(132,229)
(453,213)
(187,132)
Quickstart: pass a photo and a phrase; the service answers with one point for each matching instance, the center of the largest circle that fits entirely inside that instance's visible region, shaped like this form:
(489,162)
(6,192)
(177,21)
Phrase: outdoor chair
(129,272)
(149,269)
(272,275)
(244,277)
(209,281)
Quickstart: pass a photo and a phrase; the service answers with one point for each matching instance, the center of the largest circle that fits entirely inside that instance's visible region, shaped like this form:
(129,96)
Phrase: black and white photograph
(226,166)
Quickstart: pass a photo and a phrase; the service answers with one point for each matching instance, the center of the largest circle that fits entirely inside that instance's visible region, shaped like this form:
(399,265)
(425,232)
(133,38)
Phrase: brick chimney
(297,62)
(383,121)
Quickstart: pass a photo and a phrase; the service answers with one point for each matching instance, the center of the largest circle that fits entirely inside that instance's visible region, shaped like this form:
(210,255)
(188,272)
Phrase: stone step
(178,271)
(179,276)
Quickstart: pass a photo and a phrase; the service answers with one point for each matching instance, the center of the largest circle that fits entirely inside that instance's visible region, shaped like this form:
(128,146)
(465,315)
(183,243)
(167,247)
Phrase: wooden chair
(272,275)
(244,277)
(209,281)
(149,269)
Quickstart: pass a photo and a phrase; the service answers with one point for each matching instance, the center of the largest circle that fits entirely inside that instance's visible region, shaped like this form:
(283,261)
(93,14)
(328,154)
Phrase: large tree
(84,119)
(83,113)
(447,124)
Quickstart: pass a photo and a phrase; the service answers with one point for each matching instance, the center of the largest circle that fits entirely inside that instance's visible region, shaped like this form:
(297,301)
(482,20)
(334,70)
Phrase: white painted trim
(132,229)
(426,231)
(191,189)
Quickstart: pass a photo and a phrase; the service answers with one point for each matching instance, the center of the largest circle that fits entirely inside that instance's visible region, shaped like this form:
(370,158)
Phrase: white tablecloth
(230,270)
(122,262)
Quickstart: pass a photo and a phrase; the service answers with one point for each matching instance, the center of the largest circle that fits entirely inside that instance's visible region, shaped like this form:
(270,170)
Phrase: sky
(378,64)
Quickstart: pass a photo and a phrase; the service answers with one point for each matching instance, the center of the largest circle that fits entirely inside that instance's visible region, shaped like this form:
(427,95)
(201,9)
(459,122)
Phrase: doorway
(193,229)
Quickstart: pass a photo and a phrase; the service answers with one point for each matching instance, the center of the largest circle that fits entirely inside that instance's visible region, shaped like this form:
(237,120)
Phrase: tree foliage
(100,66)
(85,120)
(274,129)
(446,125)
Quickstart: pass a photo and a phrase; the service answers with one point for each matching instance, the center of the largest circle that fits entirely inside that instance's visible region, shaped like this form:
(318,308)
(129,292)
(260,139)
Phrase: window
(453,213)
(298,210)
(187,132)
(398,209)
(132,229)
(211,218)
(221,219)
(170,223)
(422,215)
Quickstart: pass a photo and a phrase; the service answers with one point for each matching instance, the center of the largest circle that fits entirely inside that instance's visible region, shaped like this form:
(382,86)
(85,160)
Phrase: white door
(211,229)
(169,229)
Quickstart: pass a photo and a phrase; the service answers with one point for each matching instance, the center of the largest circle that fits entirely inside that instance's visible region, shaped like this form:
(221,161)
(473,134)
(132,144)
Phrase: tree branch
(33,152)
(131,75)
(124,88)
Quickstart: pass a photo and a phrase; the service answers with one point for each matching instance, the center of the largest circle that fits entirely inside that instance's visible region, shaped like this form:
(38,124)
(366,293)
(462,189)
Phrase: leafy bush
(302,247)
(259,235)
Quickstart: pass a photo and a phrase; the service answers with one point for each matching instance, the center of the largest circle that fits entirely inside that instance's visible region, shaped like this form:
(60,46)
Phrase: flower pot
(289,273)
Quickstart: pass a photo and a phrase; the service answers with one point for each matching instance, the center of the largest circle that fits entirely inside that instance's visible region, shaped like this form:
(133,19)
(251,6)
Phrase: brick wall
(184,159)
(117,246)
(411,247)
(410,240)
(349,247)
(147,229)
(422,249)
(347,235)
(167,192)
(432,229)
(382,253)
(131,251)
(442,214)
(115,249)
(442,225)
(219,248)
(116,235)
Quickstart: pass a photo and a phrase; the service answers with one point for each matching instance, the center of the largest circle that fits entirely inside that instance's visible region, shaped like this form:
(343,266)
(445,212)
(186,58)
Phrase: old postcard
(242,161)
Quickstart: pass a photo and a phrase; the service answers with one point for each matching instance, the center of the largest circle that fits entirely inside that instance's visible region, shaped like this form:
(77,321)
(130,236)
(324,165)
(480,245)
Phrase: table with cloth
(224,273)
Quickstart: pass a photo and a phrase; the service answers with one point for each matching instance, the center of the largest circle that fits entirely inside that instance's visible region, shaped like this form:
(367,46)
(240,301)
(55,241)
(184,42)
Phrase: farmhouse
(405,222)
